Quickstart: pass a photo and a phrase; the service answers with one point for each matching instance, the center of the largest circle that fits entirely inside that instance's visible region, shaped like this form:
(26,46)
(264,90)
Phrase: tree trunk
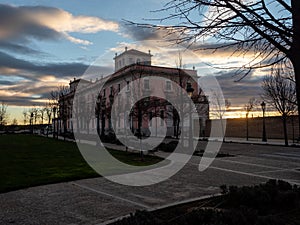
(297,78)
(65,128)
(295,50)
(102,124)
(286,143)
(98,124)
(49,121)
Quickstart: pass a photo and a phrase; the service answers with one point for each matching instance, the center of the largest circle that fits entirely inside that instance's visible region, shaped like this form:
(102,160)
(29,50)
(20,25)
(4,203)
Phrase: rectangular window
(146,85)
(127,86)
(119,87)
(111,90)
(104,92)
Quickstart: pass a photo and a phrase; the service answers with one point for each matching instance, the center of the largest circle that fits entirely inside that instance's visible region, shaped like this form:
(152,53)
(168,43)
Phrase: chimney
(126,49)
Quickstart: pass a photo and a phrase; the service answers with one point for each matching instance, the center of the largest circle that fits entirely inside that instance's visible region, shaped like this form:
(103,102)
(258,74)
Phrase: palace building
(133,76)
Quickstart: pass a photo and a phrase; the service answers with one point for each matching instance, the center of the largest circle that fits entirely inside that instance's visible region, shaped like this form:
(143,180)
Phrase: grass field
(27,160)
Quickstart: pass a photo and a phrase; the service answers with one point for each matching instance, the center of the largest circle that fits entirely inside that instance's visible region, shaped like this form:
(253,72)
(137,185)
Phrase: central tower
(132,56)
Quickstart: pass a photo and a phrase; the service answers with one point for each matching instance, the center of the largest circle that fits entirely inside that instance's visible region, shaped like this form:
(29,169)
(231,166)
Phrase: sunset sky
(47,43)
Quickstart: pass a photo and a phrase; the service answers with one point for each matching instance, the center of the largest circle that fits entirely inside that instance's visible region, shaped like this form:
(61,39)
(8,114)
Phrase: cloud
(17,48)
(22,80)
(6,82)
(35,71)
(18,100)
(48,23)
(138,33)
(239,92)
(147,33)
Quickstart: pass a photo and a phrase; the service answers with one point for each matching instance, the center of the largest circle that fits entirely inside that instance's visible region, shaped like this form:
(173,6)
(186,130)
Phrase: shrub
(167,147)
(273,203)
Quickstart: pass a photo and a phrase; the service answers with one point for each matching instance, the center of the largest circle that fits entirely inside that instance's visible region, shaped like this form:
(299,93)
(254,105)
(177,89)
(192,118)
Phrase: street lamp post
(190,91)
(264,136)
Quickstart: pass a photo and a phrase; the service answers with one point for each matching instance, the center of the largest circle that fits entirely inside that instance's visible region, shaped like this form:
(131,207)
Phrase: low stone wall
(274,127)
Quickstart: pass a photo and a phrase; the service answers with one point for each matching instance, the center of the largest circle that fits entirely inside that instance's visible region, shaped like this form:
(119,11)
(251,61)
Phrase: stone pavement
(94,201)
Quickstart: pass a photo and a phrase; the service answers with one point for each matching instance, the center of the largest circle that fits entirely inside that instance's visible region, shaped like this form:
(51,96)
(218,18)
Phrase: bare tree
(48,111)
(267,31)
(15,122)
(25,116)
(59,101)
(88,115)
(3,115)
(42,113)
(140,109)
(248,108)
(219,106)
(36,114)
(281,93)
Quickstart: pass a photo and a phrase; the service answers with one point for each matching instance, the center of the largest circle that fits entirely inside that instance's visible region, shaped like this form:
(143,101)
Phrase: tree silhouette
(281,93)
(25,116)
(3,115)
(60,101)
(268,31)
(218,108)
(248,108)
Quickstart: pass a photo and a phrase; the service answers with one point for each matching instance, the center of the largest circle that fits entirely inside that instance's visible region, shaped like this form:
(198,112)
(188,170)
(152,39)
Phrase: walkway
(94,201)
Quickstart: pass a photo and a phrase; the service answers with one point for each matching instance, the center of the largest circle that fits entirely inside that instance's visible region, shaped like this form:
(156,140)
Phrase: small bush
(167,147)
(109,138)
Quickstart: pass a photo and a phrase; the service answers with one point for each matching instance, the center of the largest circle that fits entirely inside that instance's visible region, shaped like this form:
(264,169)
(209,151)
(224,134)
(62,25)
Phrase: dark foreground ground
(96,200)
(275,202)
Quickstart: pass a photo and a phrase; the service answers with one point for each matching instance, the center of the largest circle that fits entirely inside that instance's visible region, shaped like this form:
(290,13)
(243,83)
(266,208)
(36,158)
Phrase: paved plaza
(97,200)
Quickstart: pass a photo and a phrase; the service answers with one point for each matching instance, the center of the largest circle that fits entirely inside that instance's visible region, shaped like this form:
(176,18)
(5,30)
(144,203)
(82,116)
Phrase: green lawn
(27,160)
